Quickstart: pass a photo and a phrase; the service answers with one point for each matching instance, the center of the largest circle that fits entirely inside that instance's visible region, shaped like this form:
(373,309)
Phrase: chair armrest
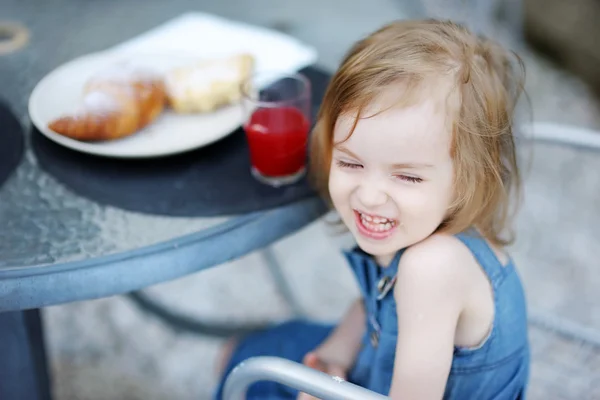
(294,375)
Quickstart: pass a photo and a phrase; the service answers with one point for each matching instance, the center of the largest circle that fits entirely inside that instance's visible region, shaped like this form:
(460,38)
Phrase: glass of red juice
(277,111)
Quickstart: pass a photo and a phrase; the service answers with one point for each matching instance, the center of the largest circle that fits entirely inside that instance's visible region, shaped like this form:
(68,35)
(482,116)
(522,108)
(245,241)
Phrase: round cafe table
(63,242)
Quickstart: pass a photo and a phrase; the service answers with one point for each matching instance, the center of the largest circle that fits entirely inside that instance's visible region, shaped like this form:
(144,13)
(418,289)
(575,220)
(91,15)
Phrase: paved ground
(107,349)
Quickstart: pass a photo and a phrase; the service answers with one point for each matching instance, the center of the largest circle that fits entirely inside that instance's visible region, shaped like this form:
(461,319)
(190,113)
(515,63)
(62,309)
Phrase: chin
(377,248)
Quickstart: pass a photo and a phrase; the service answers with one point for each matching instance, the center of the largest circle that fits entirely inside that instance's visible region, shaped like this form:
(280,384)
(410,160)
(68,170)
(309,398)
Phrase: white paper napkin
(206,36)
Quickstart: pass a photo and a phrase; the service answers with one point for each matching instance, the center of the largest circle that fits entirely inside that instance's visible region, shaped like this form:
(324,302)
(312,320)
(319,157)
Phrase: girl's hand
(317,361)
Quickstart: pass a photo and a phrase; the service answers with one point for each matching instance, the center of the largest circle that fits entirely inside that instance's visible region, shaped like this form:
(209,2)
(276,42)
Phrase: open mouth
(374,226)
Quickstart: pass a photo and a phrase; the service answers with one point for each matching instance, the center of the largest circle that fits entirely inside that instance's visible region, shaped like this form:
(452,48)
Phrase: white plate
(60,91)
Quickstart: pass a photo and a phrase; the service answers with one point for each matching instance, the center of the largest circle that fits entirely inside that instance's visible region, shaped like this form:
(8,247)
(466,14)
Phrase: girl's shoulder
(442,261)
(438,253)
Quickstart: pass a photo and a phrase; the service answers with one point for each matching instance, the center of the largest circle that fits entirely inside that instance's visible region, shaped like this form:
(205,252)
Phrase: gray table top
(52,238)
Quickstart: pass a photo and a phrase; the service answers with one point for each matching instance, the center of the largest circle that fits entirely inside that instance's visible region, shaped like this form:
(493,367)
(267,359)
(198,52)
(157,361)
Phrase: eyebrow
(411,166)
(345,150)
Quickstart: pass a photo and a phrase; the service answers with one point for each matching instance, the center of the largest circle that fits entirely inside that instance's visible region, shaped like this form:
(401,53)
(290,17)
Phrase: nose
(371,194)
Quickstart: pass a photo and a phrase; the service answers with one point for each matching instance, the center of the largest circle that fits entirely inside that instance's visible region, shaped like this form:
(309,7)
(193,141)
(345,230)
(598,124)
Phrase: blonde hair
(488,85)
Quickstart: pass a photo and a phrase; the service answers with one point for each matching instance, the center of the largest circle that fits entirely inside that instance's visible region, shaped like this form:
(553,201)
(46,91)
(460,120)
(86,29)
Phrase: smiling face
(445,155)
(391,180)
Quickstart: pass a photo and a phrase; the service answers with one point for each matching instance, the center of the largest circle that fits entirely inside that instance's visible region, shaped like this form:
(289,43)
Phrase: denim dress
(498,369)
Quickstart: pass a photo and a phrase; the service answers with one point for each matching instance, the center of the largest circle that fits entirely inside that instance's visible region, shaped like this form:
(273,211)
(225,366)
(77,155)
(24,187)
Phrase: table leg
(185,323)
(182,322)
(283,286)
(23,363)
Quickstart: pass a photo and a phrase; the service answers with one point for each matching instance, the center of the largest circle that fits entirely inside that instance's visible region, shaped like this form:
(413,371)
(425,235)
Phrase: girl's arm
(430,294)
(336,355)
(344,343)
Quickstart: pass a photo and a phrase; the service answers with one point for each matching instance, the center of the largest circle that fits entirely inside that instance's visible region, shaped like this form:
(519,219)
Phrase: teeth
(377,224)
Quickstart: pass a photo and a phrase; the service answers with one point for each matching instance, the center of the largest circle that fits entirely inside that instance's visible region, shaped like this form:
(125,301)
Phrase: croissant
(114,105)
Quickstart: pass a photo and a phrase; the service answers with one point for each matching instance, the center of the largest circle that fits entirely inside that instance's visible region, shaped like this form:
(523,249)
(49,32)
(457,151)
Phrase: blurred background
(110,349)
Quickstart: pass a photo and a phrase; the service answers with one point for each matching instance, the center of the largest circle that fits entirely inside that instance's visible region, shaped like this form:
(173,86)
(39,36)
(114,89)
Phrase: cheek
(430,200)
(340,187)
(441,191)
(445,198)
(416,201)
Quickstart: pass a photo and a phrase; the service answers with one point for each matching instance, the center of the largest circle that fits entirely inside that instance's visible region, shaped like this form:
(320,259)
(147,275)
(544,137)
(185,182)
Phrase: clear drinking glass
(277,111)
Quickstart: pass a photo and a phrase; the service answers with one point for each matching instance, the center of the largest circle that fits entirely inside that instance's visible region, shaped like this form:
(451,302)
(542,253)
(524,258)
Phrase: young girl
(414,149)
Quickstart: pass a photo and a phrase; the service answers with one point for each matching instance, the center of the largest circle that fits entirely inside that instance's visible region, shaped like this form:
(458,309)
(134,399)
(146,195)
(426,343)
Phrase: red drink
(277,122)
(277,138)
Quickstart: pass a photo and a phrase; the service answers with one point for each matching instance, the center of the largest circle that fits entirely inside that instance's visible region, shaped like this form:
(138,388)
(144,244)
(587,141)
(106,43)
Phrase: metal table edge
(45,285)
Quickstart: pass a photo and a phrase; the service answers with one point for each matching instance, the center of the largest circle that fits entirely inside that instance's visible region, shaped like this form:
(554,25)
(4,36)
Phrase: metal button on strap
(382,284)
(374,339)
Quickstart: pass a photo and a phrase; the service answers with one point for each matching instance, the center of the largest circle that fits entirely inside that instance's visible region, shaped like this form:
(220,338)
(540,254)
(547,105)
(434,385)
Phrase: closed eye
(344,164)
(408,178)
